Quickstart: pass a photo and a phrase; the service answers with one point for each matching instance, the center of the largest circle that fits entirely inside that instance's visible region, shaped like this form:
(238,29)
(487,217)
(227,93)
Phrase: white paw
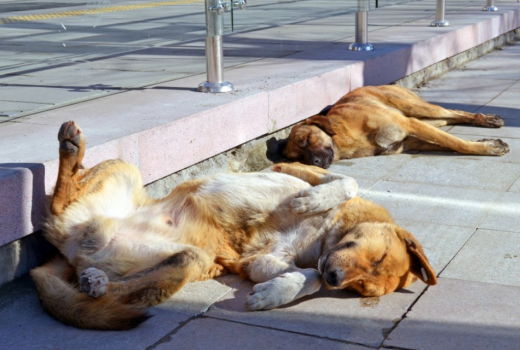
(93,282)
(273,293)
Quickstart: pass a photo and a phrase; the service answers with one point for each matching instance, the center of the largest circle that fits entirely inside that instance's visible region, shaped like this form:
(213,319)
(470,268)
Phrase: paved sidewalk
(465,210)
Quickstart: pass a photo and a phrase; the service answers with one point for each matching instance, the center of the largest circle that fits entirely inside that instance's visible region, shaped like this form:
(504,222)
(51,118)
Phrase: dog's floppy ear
(420,266)
(275,149)
(321,122)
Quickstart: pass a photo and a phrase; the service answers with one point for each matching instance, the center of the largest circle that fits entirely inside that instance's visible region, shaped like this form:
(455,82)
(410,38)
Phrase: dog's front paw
(93,282)
(273,293)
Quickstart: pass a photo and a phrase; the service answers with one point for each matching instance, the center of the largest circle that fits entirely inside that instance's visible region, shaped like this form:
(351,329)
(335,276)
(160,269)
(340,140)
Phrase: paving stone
(195,298)
(339,315)
(509,131)
(457,315)
(496,67)
(433,204)
(453,171)
(440,242)
(24,325)
(464,94)
(489,256)
(504,214)
(364,184)
(371,167)
(12,108)
(515,187)
(207,333)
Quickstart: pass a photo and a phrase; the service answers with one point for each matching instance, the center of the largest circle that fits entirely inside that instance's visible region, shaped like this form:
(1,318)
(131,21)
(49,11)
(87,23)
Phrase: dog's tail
(65,302)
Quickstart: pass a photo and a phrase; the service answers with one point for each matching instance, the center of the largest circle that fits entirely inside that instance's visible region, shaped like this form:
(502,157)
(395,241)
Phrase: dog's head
(310,142)
(374,259)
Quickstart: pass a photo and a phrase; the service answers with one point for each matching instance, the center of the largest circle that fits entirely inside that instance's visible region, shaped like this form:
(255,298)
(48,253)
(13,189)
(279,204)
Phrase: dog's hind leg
(415,107)
(150,286)
(428,133)
(72,149)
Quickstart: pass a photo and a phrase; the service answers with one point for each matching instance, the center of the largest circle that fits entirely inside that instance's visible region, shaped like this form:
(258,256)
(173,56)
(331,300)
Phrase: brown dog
(377,120)
(291,231)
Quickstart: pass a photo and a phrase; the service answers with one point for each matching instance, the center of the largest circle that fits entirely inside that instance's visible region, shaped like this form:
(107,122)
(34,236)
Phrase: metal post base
(361,47)
(216,87)
(440,24)
(490,8)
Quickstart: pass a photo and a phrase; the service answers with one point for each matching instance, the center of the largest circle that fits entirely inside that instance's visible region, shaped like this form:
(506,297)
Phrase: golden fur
(122,251)
(380,120)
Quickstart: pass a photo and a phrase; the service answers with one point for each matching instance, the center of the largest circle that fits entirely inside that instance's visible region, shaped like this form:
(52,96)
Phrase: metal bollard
(214,48)
(490,6)
(361,43)
(440,21)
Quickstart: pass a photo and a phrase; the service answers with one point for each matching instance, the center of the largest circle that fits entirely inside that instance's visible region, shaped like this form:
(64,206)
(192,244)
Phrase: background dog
(291,231)
(377,120)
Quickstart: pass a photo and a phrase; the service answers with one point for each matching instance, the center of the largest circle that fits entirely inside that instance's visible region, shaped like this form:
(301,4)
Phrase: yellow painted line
(94,11)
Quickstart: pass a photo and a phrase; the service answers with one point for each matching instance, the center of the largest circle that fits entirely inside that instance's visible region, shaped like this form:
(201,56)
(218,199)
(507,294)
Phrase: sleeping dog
(379,120)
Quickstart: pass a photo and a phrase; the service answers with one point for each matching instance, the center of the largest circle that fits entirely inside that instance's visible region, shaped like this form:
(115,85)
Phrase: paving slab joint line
(398,348)
(458,251)
(168,336)
(388,332)
(288,331)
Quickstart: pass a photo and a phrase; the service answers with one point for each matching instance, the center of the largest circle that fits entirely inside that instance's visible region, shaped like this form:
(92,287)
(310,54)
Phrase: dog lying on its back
(291,231)
(379,120)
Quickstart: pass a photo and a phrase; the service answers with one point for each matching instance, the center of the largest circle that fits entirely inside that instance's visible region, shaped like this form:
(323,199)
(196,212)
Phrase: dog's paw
(273,293)
(70,137)
(489,120)
(93,282)
(495,147)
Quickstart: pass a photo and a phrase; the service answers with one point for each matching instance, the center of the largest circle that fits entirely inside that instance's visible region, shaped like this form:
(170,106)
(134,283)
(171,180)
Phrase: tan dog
(377,120)
(122,251)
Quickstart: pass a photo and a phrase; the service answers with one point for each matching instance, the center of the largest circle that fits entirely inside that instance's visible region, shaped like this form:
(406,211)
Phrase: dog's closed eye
(303,142)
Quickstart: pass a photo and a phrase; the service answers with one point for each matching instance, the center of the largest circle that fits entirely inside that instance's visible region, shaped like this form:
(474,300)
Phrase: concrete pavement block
(338,315)
(195,298)
(464,94)
(504,214)
(207,333)
(433,204)
(489,256)
(456,315)
(452,171)
(515,187)
(378,168)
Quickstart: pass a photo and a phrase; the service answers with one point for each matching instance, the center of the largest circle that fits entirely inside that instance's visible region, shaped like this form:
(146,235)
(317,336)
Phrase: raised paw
(489,120)
(496,147)
(93,282)
(70,137)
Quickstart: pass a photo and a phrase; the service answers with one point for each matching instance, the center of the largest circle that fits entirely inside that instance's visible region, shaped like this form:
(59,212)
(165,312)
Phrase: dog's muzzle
(322,158)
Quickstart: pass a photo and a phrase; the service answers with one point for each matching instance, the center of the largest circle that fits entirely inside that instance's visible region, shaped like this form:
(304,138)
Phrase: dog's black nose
(334,278)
